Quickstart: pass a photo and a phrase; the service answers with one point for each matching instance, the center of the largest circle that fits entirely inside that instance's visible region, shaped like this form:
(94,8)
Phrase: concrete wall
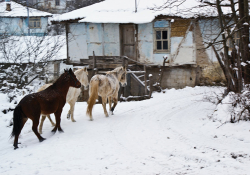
(176,77)
(19,26)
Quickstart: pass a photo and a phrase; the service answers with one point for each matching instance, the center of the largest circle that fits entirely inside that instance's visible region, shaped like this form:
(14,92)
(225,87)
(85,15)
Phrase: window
(161,36)
(161,40)
(57,2)
(34,22)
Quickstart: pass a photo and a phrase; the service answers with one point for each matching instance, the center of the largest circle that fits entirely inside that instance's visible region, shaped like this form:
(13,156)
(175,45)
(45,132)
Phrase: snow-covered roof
(18,10)
(123,11)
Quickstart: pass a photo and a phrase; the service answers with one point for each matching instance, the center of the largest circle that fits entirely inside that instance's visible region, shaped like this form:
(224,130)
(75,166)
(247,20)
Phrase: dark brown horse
(50,100)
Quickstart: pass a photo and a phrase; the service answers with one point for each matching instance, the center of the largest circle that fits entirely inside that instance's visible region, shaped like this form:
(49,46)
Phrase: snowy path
(168,134)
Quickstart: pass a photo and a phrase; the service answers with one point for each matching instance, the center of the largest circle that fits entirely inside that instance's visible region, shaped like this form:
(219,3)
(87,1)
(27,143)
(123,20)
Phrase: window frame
(32,21)
(57,2)
(155,39)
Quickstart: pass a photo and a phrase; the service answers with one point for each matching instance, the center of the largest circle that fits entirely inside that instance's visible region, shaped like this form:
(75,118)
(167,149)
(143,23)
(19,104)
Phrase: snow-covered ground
(172,133)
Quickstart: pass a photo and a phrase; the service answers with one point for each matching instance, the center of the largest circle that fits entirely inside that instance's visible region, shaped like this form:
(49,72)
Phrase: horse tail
(17,121)
(93,95)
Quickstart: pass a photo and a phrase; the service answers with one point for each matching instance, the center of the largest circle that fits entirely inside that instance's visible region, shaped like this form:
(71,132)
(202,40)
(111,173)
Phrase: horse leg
(41,124)
(72,108)
(51,121)
(58,121)
(16,137)
(69,113)
(115,100)
(104,102)
(110,103)
(34,127)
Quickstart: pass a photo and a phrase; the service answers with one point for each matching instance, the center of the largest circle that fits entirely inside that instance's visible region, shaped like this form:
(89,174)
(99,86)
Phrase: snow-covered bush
(240,109)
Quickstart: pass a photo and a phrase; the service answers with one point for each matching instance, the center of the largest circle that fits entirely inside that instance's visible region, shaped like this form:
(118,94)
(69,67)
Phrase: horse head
(122,76)
(82,76)
(73,81)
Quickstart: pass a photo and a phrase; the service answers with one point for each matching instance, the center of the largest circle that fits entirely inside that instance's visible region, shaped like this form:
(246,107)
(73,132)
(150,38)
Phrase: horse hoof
(54,131)
(42,139)
(60,130)
(73,120)
(111,113)
(15,147)
(68,116)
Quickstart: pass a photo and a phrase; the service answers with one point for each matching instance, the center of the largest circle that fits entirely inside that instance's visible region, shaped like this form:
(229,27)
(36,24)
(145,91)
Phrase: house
(146,34)
(52,6)
(19,20)
(59,6)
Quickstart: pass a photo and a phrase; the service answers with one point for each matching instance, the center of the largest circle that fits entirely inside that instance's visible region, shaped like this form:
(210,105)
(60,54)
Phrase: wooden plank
(128,72)
(145,80)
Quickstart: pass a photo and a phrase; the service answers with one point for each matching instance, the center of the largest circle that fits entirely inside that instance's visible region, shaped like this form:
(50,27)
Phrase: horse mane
(79,72)
(61,78)
(115,71)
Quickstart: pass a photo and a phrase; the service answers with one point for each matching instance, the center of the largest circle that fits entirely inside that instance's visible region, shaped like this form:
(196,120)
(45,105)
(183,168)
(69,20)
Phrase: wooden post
(123,65)
(151,85)
(123,62)
(94,64)
(145,80)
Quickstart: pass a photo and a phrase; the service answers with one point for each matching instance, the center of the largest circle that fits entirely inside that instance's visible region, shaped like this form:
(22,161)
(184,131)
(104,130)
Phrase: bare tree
(76,4)
(234,22)
(24,58)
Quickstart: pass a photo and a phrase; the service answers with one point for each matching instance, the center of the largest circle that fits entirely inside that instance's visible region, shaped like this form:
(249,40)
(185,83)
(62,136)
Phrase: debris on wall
(179,27)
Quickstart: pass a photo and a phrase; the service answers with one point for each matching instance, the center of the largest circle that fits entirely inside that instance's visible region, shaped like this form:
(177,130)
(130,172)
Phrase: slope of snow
(170,133)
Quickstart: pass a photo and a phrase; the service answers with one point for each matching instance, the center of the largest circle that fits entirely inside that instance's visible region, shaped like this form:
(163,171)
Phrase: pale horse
(72,95)
(106,86)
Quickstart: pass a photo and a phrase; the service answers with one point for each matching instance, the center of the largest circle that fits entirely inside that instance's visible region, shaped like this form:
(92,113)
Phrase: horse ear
(70,70)
(65,71)
(85,69)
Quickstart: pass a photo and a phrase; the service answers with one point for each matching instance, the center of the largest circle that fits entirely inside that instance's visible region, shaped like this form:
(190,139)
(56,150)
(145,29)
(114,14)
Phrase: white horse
(72,95)
(106,86)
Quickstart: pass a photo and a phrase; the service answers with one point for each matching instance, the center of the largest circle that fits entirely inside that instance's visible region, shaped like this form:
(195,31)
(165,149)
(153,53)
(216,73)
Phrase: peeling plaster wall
(145,43)
(146,46)
(186,53)
(209,30)
(111,40)
(104,40)
(77,42)
(84,38)
(19,26)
